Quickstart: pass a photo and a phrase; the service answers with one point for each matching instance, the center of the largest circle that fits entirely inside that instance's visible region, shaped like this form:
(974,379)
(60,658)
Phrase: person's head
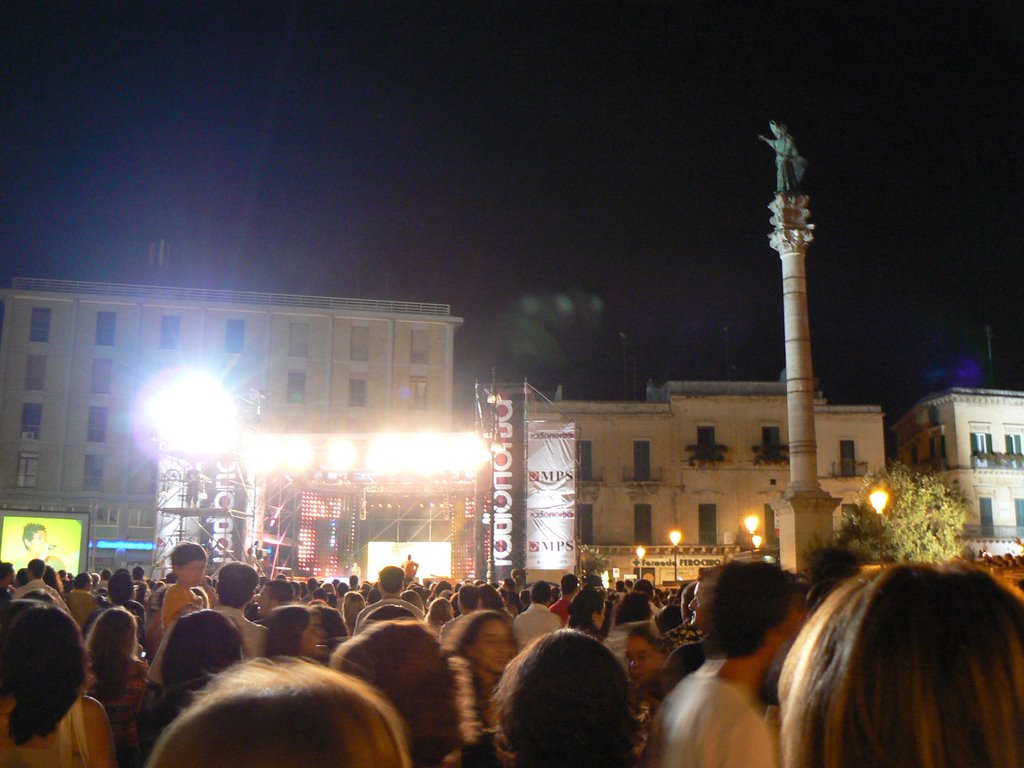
(112,646)
(390,581)
(120,588)
(138,573)
(540,593)
(82,582)
(200,645)
(276,700)
(569,585)
(105,575)
(645,655)
(236,583)
(295,630)
(469,598)
(188,562)
(827,568)
(440,612)
(33,536)
(332,623)
(645,588)
(401,659)
(275,592)
(36,568)
(669,617)
(351,604)
(586,611)
(632,606)
(50,579)
(6,574)
(490,600)
(353,581)
(565,701)
(412,597)
(747,601)
(42,667)
(874,638)
(485,640)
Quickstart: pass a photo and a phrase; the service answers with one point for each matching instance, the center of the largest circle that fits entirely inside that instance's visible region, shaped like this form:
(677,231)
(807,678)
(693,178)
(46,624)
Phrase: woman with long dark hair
(586,612)
(295,630)
(120,677)
(44,718)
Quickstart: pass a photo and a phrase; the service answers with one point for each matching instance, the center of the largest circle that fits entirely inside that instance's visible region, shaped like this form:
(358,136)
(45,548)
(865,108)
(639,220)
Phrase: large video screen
(60,539)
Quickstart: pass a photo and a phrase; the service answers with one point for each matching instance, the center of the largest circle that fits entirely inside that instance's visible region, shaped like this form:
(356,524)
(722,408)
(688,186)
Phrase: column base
(804,518)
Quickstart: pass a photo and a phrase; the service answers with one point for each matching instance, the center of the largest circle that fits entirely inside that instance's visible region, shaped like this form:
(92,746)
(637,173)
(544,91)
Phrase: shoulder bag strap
(78,726)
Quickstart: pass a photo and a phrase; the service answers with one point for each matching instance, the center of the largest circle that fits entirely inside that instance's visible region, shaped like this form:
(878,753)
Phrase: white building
(975,438)
(700,457)
(75,357)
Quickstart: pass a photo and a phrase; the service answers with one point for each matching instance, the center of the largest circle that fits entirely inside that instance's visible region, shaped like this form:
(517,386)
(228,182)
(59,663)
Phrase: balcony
(849,468)
(997,461)
(993,531)
(704,454)
(769,453)
(641,475)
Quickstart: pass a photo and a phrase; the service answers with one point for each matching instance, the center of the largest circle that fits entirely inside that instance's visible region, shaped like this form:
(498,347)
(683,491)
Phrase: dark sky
(560,173)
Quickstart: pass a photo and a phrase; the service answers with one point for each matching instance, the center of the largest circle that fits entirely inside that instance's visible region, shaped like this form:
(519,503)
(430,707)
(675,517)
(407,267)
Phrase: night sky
(562,174)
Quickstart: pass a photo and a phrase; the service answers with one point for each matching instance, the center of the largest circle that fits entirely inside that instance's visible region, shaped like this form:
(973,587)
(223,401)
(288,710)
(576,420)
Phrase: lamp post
(879,498)
(675,537)
(640,552)
(751,522)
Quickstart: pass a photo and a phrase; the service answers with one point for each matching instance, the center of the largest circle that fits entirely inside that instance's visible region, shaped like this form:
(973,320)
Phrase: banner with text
(551,496)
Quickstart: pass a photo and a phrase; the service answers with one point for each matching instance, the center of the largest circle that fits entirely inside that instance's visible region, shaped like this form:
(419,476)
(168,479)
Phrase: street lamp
(751,522)
(640,552)
(879,498)
(675,537)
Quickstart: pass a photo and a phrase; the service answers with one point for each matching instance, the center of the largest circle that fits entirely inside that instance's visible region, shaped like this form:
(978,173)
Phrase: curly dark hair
(42,666)
(565,701)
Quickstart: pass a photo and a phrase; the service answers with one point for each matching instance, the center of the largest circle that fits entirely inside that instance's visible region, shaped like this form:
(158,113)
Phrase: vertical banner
(551,496)
(506,408)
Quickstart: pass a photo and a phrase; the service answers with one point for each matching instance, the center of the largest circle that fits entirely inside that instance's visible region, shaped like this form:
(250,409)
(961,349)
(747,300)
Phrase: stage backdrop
(551,496)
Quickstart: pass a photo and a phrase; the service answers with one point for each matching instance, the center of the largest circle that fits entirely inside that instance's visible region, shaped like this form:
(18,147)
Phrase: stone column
(805,511)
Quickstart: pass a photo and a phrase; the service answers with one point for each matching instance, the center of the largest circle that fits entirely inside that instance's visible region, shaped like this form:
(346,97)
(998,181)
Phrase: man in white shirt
(391,582)
(236,585)
(536,620)
(36,568)
(714,718)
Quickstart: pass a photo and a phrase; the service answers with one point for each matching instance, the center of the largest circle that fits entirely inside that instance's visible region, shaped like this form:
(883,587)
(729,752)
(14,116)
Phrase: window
(101,370)
(706,437)
(642,524)
(419,347)
(170,331)
(418,394)
(586,460)
(847,458)
(27,462)
(771,437)
(39,330)
(35,372)
(31,420)
(96,432)
(985,513)
(298,339)
(707,524)
(296,387)
(641,459)
(771,527)
(1014,444)
(106,322)
(1018,508)
(234,336)
(586,513)
(981,442)
(141,518)
(107,516)
(92,477)
(360,344)
(357,393)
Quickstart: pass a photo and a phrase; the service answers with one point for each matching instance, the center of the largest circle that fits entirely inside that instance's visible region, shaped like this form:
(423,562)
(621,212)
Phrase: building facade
(76,357)
(700,458)
(975,439)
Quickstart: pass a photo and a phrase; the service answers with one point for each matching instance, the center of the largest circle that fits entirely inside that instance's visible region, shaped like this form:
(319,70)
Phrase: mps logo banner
(551,495)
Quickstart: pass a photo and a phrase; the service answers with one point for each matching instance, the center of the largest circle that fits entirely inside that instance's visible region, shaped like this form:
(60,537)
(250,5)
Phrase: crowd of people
(913,665)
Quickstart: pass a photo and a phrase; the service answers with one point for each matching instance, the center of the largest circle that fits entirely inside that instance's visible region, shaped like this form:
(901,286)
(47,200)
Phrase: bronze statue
(789,166)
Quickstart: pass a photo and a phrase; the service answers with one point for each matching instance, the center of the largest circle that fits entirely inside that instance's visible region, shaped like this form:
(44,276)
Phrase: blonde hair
(921,666)
(292,714)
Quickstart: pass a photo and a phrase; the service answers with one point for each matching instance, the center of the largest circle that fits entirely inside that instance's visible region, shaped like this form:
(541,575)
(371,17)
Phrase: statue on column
(789,165)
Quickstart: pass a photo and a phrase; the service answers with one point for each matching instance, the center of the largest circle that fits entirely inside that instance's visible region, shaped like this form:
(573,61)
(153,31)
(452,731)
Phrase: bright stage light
(298,454)
(386,455)
(468,452)
(192,413)
(341,456)
(263,452)
(430,454)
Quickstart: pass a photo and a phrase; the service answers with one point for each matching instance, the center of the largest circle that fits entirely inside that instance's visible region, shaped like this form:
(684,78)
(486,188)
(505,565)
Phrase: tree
(923,521)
